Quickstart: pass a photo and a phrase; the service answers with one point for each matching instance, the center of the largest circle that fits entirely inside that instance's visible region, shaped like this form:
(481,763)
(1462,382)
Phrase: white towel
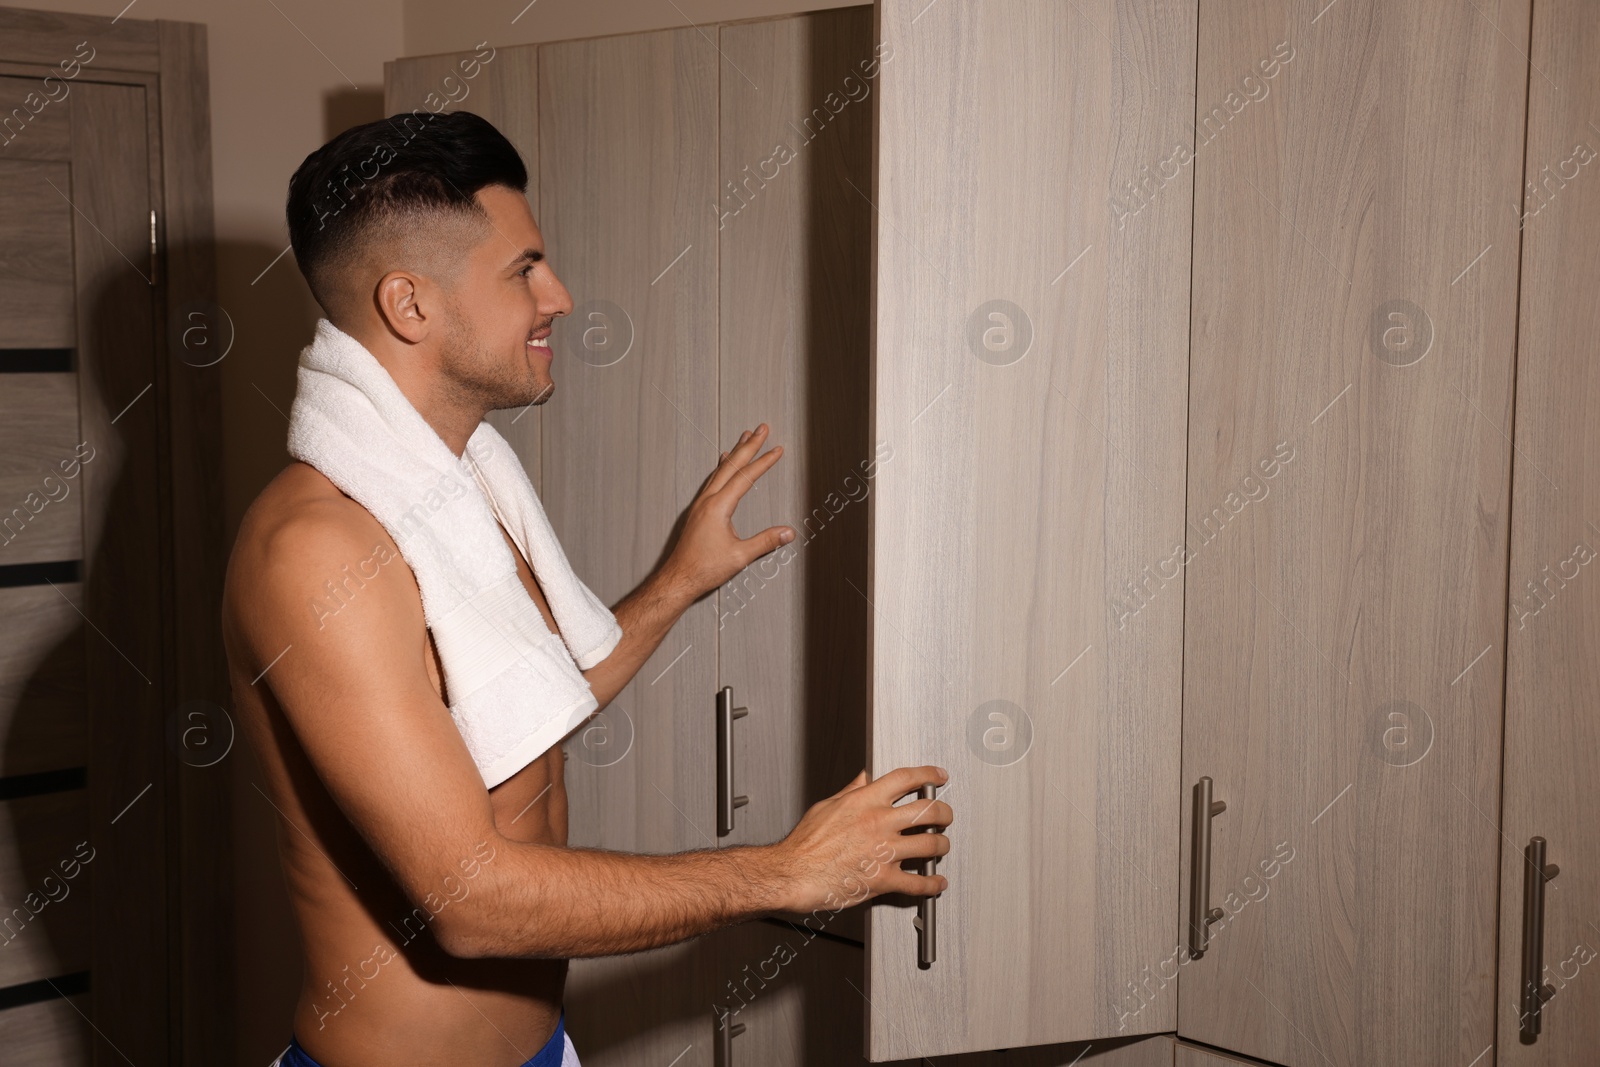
(514,688)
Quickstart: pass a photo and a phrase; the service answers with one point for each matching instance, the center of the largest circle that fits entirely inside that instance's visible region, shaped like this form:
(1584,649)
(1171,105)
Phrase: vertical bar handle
(727,1030)
(925,922)
(1535,990)
(153,260)
(727,802)
(1201,913)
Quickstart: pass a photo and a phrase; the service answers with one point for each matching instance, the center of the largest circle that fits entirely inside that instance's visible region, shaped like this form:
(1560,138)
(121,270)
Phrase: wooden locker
(1029,374)
(795,242)
(1552,732)
(1354,318)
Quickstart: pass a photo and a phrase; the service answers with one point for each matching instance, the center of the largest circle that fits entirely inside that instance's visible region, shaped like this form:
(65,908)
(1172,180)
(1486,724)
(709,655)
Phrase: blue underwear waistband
(550,1055)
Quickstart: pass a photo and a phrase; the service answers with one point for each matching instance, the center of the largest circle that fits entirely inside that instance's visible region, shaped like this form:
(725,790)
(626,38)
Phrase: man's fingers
(738,456)
(916,885)
(743,478)
(902,780)
(768,540)
(919,812)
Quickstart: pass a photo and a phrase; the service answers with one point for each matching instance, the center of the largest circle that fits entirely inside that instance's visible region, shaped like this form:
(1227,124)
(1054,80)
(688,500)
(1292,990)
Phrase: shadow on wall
(273,316)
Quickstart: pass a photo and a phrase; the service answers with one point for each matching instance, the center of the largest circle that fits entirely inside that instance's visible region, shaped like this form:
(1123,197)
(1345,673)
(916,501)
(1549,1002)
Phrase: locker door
(1030,369)
(1553,624)
(1354,324)
(794,227)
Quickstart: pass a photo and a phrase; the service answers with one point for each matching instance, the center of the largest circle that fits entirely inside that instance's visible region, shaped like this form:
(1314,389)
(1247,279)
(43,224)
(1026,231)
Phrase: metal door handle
(1201,913)
(726,801)
(726,1032)
(1535,990)
(925,919)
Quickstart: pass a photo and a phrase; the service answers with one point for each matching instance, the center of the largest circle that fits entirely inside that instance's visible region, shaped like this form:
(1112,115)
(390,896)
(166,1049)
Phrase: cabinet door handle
(1201,913)
(726,801)
(1535,990)
(925,920)
(727,1030)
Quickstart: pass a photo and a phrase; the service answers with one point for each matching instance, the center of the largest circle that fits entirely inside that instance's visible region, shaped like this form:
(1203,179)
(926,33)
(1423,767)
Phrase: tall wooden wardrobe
(1186,412)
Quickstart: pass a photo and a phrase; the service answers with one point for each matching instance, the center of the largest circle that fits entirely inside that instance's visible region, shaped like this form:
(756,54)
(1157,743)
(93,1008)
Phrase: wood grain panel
(1354,313)
(800,999)
(627,127)
(37,303)
(796,245)
(124,575)
(43,721)
(1037,466)
(500,84)
(43,459)
(36,117)
(647,1008)
(53,1033)
(47,865)
(49,37)
(1553,623)
(1187,1055)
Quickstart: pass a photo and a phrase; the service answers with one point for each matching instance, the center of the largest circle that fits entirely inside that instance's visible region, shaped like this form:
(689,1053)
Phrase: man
(422,247)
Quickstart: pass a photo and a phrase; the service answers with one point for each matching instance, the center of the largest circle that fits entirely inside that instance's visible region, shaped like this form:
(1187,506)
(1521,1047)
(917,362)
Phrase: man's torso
(377,989)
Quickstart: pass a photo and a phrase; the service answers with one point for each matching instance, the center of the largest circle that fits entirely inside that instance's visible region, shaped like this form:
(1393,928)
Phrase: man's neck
(414,369)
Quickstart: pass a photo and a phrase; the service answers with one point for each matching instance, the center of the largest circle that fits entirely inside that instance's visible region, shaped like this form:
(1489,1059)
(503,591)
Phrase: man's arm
(355,691)
(707,553)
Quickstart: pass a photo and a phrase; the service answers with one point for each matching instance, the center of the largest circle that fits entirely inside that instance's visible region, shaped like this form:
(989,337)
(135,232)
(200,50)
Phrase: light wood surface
(1187,1055)
(1552,730)
(1343,631)
(627,444)
(500,84)
(41,465)
(795,246)
(1024,492)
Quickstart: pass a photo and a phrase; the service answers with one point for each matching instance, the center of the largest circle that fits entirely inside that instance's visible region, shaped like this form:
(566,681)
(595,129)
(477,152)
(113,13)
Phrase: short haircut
(393,180)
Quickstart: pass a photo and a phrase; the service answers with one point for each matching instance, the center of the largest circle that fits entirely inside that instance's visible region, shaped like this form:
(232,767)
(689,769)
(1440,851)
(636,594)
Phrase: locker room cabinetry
(1148,377)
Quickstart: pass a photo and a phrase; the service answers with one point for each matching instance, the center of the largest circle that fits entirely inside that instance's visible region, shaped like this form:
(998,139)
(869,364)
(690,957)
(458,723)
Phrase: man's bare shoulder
(298,536)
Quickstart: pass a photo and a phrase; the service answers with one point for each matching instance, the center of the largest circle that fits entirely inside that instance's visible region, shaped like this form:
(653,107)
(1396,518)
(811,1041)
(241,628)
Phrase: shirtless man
(382,810)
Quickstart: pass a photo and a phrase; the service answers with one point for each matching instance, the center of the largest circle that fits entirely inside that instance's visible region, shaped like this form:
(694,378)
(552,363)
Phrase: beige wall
(287,75)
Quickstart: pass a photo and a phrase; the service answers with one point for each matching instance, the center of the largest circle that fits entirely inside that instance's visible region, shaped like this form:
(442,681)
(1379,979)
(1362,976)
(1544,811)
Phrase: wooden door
(111,827)
(795,243)
(1354,312)
(1030,371)
(79,344)
(1552,728)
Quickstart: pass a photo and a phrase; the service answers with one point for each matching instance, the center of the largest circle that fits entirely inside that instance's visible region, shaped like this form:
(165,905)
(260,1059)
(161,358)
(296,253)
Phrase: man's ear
(405,303)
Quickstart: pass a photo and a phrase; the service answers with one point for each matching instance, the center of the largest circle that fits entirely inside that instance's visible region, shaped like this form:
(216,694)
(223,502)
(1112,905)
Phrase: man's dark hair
(387,180)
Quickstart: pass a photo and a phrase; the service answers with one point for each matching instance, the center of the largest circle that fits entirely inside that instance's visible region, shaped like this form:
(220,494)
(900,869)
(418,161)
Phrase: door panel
(795,243)
(1030,373)
(628,434)
(1354,315)
(1553,623)
(40,460)
(37,299)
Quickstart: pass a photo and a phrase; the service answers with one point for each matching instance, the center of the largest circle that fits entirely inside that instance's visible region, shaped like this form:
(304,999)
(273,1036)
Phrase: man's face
(497,352)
